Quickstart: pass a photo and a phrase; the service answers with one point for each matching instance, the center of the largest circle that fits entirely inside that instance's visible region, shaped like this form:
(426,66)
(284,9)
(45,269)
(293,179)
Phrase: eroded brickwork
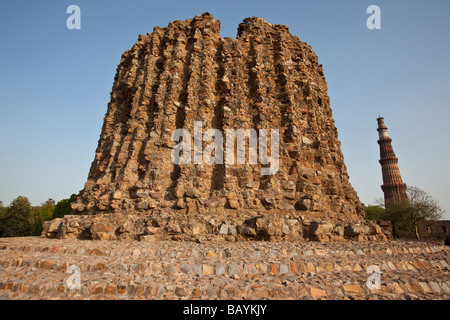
(266,78)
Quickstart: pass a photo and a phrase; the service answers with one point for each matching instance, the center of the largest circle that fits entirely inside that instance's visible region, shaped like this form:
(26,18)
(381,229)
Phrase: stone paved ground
(35,268)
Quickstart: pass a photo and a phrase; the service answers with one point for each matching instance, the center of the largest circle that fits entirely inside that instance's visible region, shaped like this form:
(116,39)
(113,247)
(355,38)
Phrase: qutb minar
(393,187)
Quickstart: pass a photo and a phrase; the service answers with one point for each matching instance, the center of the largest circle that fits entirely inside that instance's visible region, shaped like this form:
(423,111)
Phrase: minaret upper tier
(382,129)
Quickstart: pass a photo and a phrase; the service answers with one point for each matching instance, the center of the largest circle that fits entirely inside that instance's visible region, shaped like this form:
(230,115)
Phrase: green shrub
(63,207)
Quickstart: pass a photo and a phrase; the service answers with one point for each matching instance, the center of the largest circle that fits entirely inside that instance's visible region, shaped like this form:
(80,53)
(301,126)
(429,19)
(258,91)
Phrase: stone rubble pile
(162,226)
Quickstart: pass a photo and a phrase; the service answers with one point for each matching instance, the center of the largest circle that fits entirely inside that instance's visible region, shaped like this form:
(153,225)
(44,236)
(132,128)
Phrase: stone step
(53,285)
(214,264)
(198,251)
(176,270)
(219,266)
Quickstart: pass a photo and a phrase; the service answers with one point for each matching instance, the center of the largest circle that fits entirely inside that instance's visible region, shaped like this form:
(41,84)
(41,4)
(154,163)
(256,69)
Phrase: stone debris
(243,226)
(264,79)
(36,268)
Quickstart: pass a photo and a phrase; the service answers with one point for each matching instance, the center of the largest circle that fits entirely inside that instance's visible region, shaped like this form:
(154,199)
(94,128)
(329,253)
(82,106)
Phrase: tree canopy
(17,219)
(421,207)
(408,214)
(41,214)
(63,207)
(20,219)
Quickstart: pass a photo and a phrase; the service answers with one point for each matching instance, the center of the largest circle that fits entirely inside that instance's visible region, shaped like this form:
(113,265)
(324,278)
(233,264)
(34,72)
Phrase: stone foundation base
(35,268)
(231,227)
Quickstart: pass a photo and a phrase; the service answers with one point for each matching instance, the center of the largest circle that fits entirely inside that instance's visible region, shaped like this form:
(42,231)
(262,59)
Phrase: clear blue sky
(55,83)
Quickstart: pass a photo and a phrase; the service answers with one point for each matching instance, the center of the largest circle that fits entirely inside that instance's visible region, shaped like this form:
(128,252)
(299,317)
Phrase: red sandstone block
(100,266)
(196,293)
(273,269)
(98,290)
(317,293)
(53,249)
(110,290)
(46,264)
(293,267)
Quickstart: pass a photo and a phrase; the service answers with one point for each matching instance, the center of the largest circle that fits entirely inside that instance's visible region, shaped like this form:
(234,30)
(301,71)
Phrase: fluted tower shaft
(184,92)
(393,187)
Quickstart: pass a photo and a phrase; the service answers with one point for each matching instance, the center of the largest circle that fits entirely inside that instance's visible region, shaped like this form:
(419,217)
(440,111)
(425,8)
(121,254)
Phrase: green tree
(18,218)
(63,207)
(408,214)
(374,212)
(421,207)
(395,213)
(2,211)
(41,214)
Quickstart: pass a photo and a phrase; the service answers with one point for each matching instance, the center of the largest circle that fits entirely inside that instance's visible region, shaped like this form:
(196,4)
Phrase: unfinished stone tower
(186,73)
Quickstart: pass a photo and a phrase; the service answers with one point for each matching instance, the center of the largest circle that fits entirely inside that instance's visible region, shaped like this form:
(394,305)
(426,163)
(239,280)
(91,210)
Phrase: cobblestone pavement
(36,268)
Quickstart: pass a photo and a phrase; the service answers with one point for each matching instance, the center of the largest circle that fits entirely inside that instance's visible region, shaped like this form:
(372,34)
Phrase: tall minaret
(393,187)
